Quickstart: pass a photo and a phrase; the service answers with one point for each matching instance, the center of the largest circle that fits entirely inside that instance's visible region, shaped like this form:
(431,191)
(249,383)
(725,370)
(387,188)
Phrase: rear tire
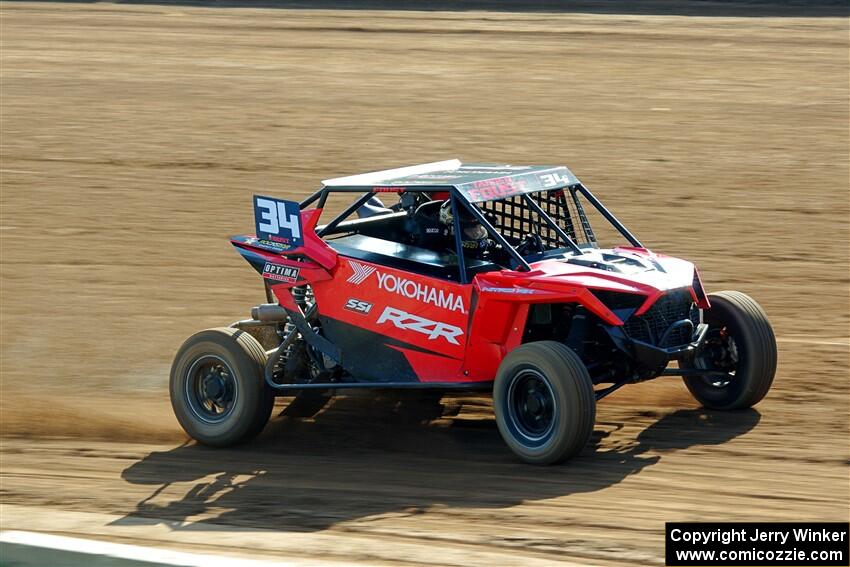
(544,402)
(741,341)
(217,388)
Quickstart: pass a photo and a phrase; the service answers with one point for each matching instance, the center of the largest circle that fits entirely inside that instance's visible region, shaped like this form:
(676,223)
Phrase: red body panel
(451,332)
(428,313)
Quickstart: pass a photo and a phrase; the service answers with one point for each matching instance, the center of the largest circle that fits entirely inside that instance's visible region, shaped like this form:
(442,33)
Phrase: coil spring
(303,296)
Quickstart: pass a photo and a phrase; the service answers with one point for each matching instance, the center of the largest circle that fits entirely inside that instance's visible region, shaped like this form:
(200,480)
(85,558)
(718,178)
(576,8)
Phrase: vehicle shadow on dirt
(361,458)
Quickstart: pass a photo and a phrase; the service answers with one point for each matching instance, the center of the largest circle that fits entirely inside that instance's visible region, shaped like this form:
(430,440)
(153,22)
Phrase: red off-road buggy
(482,277)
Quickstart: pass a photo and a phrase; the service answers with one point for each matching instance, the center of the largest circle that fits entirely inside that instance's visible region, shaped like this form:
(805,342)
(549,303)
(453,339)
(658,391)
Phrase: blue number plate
(278,223)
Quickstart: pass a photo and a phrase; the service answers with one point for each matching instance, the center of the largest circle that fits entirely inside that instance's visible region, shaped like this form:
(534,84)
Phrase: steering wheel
(531,244)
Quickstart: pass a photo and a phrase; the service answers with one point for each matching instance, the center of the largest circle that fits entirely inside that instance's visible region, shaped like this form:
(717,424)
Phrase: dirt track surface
(133,137)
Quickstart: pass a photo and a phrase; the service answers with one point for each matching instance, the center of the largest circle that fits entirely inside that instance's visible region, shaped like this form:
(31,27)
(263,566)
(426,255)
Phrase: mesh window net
(514,219)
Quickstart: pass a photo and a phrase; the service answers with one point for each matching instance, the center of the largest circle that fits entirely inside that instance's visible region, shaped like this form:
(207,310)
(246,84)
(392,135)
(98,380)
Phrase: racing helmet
(473,235)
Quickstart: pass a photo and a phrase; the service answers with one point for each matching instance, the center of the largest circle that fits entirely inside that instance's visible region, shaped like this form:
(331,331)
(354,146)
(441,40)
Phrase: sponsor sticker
(409,322)
(408,288)
(513,184)
(512,290)
(423,293)
(277,272)
(358,306)
(496,188)
(360,272)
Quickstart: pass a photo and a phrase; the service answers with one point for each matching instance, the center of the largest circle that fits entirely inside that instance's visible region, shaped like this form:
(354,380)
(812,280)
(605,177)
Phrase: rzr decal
(409,322)
(361,272)
(358,306)
(280,273)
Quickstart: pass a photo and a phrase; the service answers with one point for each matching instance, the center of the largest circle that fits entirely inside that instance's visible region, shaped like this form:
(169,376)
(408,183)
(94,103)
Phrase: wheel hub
(531,405)
(211,389)
(213,386)
(720,352)
(535,404)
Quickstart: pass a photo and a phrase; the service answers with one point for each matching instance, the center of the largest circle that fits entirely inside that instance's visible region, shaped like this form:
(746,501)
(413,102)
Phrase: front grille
(669,309)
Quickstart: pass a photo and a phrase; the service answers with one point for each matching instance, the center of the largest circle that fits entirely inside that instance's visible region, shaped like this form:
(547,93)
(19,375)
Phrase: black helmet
(473,235)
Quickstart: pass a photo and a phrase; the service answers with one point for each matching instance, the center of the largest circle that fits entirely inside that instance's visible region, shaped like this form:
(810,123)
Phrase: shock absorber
(299,294)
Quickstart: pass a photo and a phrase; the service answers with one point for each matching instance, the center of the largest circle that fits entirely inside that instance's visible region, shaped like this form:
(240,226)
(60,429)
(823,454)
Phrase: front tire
(544,402)
(741,343)
(217,388)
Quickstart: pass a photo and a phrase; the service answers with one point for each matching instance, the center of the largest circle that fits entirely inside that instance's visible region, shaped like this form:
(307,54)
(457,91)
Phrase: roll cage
(500,198)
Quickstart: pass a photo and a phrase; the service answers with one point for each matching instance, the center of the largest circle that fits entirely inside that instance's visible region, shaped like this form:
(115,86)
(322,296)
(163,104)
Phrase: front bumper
(651,359)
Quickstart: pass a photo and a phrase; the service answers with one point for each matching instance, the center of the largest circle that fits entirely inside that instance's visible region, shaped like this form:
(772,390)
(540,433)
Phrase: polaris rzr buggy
(477,277)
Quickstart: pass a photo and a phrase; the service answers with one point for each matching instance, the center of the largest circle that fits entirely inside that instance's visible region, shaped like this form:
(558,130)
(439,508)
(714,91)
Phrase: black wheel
(740,349)
(217,387)
(544,402)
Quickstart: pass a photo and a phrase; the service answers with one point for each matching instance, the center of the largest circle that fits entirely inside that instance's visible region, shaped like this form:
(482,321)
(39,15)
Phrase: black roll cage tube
(552,224)
(454,194)
(489,228)
(609,216)
(461,261)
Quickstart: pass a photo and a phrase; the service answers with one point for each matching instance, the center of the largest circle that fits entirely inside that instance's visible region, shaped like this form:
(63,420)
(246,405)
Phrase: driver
(473,235)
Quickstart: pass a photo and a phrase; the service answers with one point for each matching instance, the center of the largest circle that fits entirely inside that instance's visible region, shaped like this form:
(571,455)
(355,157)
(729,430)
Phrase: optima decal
(421,292)
(409,322)
(280,273)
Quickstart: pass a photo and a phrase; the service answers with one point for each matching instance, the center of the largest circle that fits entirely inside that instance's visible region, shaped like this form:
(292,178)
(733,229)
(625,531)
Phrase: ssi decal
(278,222)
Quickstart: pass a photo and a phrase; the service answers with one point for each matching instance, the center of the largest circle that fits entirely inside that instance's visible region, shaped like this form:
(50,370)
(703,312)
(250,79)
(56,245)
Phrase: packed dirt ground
(134,136)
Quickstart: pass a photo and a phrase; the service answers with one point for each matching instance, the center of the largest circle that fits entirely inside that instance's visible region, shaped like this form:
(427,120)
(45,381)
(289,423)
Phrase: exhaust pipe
(269,313)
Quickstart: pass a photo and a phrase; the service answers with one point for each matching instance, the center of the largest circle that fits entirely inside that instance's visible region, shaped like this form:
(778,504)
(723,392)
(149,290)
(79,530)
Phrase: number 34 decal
(555,179)
(278,222)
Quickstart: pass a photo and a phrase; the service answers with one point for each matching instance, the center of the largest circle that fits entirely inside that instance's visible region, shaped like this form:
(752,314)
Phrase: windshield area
(515,218)
(538,225)
(508,232)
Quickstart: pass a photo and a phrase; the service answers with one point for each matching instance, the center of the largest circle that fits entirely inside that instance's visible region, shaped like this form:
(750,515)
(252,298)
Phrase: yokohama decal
(361,272)
(409,322)
(421,292)
(410,289)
